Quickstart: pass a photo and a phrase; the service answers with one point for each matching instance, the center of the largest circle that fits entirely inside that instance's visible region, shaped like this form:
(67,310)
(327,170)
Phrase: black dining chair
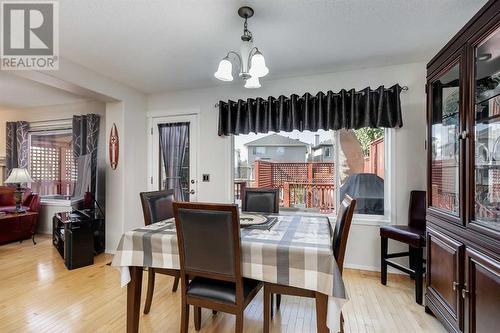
(339,236)
(261,200)
(412,234)
(157,206)
(208,237)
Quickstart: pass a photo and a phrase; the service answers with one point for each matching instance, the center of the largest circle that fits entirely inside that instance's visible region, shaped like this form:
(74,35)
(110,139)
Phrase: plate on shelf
(496,150)
(482,153)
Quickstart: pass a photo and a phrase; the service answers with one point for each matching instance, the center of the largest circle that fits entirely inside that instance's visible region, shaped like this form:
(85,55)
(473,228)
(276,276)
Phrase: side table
(18,226)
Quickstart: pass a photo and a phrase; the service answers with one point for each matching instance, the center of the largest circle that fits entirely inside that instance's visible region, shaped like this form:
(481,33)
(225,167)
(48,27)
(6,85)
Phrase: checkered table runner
(296,251)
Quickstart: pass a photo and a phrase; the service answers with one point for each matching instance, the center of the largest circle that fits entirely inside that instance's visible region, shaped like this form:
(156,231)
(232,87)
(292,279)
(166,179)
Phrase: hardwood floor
(38,294)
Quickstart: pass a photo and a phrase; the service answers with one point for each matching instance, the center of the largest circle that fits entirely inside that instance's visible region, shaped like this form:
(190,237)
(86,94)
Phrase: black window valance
(347,109)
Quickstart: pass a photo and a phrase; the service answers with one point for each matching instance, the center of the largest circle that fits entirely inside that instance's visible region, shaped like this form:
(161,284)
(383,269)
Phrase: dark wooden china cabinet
(463,214)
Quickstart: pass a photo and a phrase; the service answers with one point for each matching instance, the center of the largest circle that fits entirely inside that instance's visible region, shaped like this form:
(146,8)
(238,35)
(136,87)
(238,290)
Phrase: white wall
(410,162)
(115,195)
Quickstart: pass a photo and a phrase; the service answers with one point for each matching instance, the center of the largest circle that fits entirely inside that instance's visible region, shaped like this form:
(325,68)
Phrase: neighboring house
(321,151)
(276,148)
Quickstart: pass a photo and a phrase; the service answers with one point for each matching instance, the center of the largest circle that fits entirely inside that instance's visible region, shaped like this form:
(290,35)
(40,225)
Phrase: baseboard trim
(372,268)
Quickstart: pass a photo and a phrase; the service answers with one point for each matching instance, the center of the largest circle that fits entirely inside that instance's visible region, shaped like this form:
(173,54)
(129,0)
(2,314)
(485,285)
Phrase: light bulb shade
(224,71)
(252,83)
(258,65)
(18,176)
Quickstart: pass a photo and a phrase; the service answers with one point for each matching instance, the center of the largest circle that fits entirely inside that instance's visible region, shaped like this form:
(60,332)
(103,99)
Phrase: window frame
(389,216)
(261,153)
(328,152)
(390,213)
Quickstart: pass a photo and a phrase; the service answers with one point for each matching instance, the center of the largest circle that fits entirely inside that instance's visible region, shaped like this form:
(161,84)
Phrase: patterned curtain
(85,141)
(17,145)
(174,138)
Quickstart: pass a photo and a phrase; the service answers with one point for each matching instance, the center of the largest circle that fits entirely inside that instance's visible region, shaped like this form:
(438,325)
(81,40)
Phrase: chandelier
(250,60)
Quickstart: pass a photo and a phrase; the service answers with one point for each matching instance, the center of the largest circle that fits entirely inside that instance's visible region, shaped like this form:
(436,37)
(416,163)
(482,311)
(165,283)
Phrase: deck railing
(239,189)
(309,195)
(319,197)
(301,184)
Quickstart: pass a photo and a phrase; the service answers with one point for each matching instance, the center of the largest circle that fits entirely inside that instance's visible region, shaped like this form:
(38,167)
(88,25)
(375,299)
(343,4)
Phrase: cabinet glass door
(487,132)
(444,141)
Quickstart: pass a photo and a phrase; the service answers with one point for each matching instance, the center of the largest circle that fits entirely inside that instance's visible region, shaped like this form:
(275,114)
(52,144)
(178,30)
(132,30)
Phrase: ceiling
(158,45)
(18,93)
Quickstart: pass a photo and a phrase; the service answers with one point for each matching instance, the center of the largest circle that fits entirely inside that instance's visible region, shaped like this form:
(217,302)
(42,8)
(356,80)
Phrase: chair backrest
(263,200)
(157,206)
(209,242)
(33,202)
(417,209)
(341,230)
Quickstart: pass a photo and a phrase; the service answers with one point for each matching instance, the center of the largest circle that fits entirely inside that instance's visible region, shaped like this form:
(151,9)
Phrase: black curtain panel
(437,103)
(347,109)
(85,141)
(174,138)
(444,111)
(16,145)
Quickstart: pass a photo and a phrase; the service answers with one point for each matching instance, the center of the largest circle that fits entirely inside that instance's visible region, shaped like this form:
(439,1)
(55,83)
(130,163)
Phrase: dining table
(294,251)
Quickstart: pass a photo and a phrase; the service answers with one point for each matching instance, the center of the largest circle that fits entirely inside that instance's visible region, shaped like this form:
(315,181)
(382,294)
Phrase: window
(361,171)
(259,151)
(353,163)
(51,162)
(328,152)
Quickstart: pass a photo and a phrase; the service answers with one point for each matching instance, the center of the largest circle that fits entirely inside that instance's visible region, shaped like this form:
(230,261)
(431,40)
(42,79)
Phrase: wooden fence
(301,184)
(375,162)
(444,184)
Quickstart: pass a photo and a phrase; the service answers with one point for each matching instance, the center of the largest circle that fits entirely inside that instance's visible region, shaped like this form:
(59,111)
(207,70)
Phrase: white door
(188,176)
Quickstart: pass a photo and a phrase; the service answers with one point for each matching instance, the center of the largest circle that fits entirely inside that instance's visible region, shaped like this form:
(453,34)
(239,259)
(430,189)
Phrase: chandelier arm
(251,54)
(240,62)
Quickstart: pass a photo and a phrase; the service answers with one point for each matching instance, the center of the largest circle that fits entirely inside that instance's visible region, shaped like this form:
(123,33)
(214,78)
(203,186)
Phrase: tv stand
(78,236)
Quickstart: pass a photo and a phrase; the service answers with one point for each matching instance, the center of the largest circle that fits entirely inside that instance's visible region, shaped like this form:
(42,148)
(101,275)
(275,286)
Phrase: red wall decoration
(114,147)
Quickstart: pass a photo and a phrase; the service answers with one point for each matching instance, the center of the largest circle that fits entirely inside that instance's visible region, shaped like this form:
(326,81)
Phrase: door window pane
(487,132)
(174,159)
(445,127)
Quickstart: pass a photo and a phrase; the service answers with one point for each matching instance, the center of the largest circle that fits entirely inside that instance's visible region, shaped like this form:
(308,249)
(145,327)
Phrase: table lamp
(18,176)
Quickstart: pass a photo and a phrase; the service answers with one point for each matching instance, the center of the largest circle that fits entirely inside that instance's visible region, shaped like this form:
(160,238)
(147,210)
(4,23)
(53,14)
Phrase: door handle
(192,192)
(455,285)
(463,135)
(465,293)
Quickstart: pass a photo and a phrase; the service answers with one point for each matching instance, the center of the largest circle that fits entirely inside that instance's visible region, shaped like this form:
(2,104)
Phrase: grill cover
(368,190)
